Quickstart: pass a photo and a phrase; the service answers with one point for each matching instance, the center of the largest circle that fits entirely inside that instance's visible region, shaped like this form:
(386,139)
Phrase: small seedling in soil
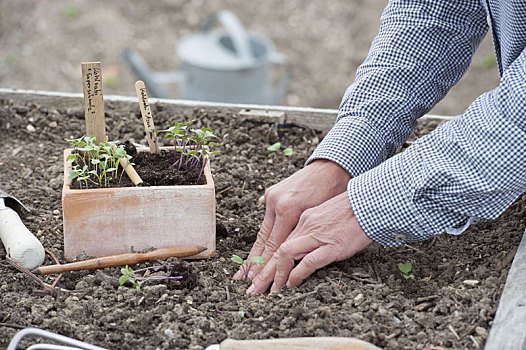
(191,146)
(288,151)
(405,269)
(246,265)
(276,147)
(95,164)
(130,275)
(241,312)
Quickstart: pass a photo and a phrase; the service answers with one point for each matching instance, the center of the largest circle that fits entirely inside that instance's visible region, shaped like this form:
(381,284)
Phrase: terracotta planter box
(107,221)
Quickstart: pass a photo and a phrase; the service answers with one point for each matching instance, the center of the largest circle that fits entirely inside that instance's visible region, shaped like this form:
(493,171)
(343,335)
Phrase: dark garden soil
(364,297)
(154,170)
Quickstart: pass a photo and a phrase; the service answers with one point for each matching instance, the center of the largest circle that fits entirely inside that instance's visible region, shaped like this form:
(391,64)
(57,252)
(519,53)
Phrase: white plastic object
(19,242)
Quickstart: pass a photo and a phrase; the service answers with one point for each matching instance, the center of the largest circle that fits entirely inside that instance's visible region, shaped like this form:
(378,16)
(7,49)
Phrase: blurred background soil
(42,43)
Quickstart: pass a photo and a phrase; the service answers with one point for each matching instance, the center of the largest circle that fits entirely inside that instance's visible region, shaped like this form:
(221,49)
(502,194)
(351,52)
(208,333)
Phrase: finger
(283,225)
(284,265)
(313,261)
(263,280)
(259,245)
(290,251)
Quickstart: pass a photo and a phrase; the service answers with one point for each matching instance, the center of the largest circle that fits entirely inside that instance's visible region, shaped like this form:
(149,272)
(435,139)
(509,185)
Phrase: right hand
(286,201)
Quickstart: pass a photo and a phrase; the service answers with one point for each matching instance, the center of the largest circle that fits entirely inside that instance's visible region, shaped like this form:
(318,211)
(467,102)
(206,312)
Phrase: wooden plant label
(93,101)
(147,117)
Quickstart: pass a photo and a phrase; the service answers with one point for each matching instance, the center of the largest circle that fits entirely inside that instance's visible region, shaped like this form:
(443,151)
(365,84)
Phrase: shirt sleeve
(423,48)
(471,167)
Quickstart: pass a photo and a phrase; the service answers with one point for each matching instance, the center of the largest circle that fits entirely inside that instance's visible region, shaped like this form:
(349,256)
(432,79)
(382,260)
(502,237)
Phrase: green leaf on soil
(406,267)
(237,259)
(288,151)
(274,147)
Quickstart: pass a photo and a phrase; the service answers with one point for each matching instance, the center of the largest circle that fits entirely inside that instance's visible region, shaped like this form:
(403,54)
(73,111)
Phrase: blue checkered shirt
(471,167)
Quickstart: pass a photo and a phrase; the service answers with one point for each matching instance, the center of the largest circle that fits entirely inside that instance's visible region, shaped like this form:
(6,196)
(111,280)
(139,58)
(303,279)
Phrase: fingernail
(237,275)
(274,287)
(250,275)
(250,289)
(289,286)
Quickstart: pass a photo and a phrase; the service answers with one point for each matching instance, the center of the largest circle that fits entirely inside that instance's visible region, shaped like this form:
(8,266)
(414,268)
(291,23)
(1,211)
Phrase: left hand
(324,234)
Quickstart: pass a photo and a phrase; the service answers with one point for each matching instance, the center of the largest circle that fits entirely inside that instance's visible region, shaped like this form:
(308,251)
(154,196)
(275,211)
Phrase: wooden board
(315,118)
(509,327)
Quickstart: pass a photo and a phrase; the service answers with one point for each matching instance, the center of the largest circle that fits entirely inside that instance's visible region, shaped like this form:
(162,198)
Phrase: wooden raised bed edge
(314,118)
(108,221)
(509,326)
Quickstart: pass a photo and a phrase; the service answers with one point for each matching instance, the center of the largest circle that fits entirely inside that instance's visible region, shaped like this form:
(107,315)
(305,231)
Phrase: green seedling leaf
(257,259)
(237,259)
(406,267)
(411,276)
(288,151)
(71,157)
(123,279)
(72,174)
(274,147)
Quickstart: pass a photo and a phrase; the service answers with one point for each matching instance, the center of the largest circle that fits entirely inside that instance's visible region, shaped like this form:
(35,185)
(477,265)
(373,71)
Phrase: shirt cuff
(384,204)
(353,144)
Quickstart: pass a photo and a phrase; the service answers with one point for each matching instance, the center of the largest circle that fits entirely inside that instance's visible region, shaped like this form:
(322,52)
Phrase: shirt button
(400,237)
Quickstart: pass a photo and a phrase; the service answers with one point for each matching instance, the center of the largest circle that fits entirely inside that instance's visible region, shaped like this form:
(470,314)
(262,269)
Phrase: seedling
(246,265)
(130,275)
(405,269)
(191,146)
(94,163)
(276,147)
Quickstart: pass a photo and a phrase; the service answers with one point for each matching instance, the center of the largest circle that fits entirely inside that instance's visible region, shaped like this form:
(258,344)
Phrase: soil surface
(450,304)
(153,169)
(324,41)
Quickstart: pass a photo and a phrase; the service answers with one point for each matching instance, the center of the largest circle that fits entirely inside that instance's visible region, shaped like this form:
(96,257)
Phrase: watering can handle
(280,59)
(235,30)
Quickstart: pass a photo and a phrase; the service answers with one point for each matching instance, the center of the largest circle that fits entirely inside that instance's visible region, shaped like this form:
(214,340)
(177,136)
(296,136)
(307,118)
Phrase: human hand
(287,200)
(324,234)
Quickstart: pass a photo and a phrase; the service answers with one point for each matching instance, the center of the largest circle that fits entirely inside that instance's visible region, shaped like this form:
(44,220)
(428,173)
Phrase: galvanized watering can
(221,65)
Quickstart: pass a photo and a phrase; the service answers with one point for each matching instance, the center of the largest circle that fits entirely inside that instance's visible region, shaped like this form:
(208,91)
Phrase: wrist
(332,173)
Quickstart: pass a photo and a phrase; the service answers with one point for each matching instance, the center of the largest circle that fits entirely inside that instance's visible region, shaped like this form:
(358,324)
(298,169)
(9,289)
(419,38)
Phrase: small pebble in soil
(169,333)
(472,283)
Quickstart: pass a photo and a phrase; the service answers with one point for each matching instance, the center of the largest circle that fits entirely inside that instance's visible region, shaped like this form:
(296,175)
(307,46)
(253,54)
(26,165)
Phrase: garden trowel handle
(18,241)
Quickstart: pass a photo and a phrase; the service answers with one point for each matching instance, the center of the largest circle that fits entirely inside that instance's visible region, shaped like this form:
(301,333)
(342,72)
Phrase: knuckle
(270,194)
(311,262)
(285,250)
(271,246)
(283,208)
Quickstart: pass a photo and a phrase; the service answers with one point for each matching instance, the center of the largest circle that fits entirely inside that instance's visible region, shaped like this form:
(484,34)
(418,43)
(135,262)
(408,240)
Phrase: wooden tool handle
(18,241)
(129,169)
(306,343)
(121,260)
